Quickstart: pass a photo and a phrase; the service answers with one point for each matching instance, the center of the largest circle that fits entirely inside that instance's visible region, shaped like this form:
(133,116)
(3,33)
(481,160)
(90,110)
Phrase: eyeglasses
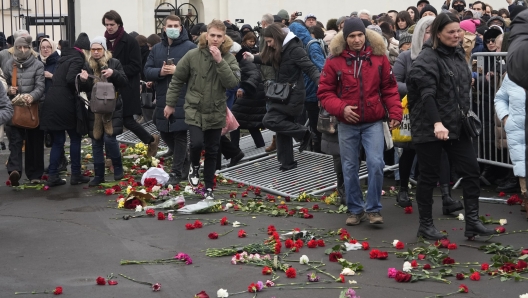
(45,48)
(96,50)
(491,40)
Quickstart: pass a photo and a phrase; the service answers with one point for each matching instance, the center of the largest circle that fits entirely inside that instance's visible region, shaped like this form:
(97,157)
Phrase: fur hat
(99,40)
(405,38)
(82,42)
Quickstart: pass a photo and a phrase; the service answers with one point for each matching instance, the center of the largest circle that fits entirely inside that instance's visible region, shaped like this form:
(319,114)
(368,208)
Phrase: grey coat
(330,144)
(401,70)
(6,108)
(30,77)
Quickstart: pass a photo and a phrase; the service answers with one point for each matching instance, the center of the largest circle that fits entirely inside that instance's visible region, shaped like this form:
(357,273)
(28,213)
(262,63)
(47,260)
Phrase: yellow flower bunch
(121,203)
(138,149)
(332,199)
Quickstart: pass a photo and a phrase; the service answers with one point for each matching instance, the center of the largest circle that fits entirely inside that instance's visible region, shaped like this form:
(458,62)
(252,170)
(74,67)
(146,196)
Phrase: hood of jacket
(373,39)
(301,32)
(418,35)
(519,26)
(224,48)
(181,39)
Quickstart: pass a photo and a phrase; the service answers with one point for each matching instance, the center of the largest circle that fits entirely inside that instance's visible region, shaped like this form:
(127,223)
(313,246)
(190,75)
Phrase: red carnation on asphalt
(57,291)
(266,270)
(414,263)
(403,277)
(421,257)
(242,234)
(382,255)
(353,241)
(150,212)
(400,245)
(100,281)
(8,182)
(463,288)
(289,243)
(156,287)
(161,216)
(278,247)
(312,243)
(366,245)
(315,207)
(452,246)
(334,256)
(427,267)
(198,224)
(223,221)
(291,273)
(484,267)
(189,226)
(475,276)
(502,194)
(112,282)
(374,253)
(320,243)
(408,210)
(460,276)
(500,230)
(213,235)
(307,215)
(342,278)
(299,243)
(448,261)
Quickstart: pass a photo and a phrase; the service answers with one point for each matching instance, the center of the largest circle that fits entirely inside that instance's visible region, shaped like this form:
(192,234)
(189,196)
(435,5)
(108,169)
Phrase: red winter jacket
(349,79)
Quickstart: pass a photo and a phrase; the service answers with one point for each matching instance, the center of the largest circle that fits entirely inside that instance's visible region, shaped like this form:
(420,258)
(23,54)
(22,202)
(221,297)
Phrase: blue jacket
(479,46)
(316,54)
(159,54)
(510,101)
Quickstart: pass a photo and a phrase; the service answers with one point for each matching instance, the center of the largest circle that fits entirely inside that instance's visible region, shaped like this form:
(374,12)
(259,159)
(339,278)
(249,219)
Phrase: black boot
(427,229)
(448,204)
(510,186)
(99,170)
(403,197)
(55,180)
(77,179)
(118,168)
(474,226)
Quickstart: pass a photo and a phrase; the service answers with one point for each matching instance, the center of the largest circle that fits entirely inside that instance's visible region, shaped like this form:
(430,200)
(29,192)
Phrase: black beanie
(82,42)
(352,25)
(428,7)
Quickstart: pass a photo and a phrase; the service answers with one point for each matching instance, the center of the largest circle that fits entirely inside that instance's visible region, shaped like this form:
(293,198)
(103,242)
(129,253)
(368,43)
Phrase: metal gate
(54,18)
(186,11)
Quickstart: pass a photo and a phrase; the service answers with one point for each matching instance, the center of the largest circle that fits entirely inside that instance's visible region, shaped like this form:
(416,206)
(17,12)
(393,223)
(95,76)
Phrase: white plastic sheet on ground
(350,246)
(196,208)
(168,203)
(157,173)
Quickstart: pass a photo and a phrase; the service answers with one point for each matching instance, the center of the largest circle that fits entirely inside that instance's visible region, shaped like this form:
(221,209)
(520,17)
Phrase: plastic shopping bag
(157,173)
(231,122)
(402,134)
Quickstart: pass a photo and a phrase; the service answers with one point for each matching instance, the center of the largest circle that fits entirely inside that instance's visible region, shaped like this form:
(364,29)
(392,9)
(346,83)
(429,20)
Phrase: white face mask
(173,33)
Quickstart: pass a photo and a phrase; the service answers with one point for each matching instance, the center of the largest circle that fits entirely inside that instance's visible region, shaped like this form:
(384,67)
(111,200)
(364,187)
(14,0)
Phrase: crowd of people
(283,76)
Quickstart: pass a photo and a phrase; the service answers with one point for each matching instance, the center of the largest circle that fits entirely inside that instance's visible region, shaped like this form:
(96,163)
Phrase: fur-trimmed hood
(373,39)
(226,46)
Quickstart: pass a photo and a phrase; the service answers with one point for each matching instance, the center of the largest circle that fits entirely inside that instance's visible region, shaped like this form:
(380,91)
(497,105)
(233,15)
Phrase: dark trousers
(228,149)
(460,152)
(312,109)
(177,141)
(33,155)
(111,147)
(131,124)
(211,139)
(57,150)
(406,162)
(286,129)
(255,134)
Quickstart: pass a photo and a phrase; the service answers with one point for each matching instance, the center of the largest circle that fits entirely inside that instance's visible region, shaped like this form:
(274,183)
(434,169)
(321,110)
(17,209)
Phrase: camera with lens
(298,14)
(257,28)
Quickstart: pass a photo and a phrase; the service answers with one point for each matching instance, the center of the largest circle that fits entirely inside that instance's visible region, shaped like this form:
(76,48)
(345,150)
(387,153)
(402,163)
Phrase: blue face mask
(173,33)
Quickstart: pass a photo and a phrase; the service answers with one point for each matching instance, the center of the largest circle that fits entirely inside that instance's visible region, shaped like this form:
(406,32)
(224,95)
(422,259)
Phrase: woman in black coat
(438,86)
(250,107)
(100,63)
(285,52)
(59,115)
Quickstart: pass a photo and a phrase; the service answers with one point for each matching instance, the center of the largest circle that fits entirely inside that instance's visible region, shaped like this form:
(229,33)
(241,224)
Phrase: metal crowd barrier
(482,96)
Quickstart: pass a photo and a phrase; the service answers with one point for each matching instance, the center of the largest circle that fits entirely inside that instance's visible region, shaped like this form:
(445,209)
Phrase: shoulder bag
(278,92)
(24,115)
(103,98)
(147,101)
(327,123)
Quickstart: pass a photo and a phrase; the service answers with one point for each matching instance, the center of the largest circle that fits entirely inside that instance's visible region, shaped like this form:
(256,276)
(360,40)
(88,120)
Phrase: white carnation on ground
(222,293)
(304,259)
(348,271)
(460,216)
(407,267)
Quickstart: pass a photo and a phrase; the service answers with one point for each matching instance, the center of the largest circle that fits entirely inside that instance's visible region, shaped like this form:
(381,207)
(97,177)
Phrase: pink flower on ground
(156,287)
(392,272)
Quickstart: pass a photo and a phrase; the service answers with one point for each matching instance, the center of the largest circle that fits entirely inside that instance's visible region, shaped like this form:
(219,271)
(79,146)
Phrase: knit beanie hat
(469,26)
(428,7)
(488,23)
(99,40)
(341,20)
(352,25)
(82,42)
(283,14)
(22,41)
(375,28)
(482,29)
(405,38)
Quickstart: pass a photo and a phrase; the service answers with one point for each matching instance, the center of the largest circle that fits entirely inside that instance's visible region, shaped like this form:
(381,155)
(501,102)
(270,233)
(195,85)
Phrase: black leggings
(406,162)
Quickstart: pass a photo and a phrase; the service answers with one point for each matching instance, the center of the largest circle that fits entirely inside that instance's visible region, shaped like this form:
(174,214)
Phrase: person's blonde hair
(217,24)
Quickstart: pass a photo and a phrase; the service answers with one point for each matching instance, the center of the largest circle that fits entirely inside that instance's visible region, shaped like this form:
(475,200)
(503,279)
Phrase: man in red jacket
(357,86)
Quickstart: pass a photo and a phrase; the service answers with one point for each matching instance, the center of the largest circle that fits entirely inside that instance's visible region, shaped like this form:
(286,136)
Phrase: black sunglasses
(492,40)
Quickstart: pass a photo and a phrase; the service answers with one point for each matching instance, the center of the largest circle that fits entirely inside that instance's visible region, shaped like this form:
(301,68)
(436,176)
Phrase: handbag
(326,123)
(231,122)
(470,121)
(279,92)
(24,115)
(402,134)
(147,99)
(103,98)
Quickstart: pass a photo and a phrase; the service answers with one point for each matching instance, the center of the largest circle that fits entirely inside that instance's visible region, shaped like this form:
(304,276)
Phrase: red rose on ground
(189,226)
(291,273)
(342,278)
(414,263)
(500,230)
(223,221)
(374,253)
(242,234)
(334,256)
(463,288)
(161,216)
(291,212)
(109,192)
(266,270)
(288,243)
(484,267)
(213,235)
(198,224)
(320,243)
(57,291)
(345,236)
(460,276)
(521,265)
(452,246)
(307,215)
(408,210)
(112,282)
(353,241)
(366,245)
(315,207)
(421,257)
(312,244)
(403,277)
(448,261)
(100,281)
(150,212)
(299,243)
(427,267)
(400,245)
(475,276)
(382,255)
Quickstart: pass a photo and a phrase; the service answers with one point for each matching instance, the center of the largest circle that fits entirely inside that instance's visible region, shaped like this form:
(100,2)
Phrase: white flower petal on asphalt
(395,242)
(350,246)
(352,282)
(236,224)
(460,216)
(523,295)
(139,208)
(348,271)
(407,267)
(222,293)
(503,222)
(189,189)
(304,259)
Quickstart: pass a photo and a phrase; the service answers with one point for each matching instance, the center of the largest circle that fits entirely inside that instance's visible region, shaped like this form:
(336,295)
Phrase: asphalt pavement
(69,235)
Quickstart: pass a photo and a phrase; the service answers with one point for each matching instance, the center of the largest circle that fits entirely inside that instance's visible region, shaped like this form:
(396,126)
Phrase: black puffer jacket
(429,77)
(119,79)
(517,59)
(294,62)
(250,109)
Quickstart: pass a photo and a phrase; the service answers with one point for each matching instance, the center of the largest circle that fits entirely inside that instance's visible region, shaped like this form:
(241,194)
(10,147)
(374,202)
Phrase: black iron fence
(54,18)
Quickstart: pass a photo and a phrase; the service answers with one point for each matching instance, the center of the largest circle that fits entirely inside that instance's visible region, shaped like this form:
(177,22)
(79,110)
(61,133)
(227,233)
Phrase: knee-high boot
(427,229)
(474,226)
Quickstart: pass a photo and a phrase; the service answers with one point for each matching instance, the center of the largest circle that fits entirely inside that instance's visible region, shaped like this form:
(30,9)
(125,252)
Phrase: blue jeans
(112,149)
(351,138)
(59,138)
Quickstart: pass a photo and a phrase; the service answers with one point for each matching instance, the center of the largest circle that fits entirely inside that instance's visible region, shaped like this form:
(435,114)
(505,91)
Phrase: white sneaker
(209,194)
(194,177)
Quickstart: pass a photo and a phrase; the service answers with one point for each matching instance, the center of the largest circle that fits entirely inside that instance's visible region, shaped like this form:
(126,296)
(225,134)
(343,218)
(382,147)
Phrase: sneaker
(209,194)
(194,177)
(174,179)
(14,177)
(375,217)
(153,146)
(356,219)
(236,159)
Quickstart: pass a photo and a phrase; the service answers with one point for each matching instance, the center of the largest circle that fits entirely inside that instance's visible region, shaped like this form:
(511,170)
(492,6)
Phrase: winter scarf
(116,37)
